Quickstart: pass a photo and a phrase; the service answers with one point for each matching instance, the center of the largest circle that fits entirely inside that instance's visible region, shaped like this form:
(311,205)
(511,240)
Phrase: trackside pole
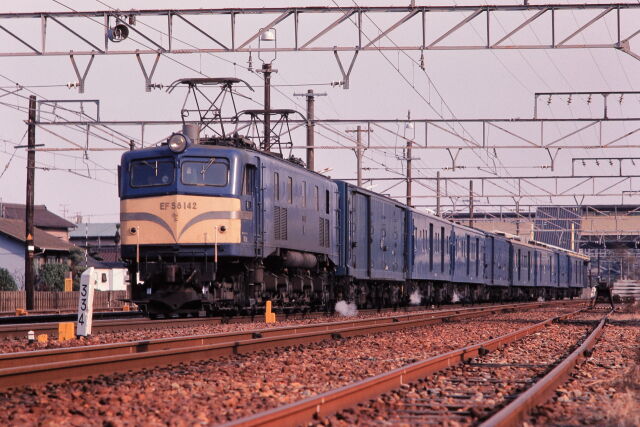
(85,303)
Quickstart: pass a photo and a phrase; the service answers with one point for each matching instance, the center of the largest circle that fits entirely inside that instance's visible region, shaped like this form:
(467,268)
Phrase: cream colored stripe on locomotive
(181,219)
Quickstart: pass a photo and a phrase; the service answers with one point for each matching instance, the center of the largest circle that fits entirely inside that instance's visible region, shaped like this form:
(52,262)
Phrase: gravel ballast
(224,389)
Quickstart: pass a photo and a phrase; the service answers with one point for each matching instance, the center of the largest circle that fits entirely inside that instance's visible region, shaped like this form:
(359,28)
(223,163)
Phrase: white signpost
(88,281)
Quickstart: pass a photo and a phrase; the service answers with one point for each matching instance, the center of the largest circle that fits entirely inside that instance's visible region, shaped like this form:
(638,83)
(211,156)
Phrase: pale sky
(383,85)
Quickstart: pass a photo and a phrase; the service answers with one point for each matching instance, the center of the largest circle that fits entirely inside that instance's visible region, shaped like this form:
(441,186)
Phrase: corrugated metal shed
(100,229)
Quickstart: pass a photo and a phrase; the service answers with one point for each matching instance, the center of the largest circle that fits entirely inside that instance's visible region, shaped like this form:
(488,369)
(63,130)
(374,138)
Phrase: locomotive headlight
(178,142)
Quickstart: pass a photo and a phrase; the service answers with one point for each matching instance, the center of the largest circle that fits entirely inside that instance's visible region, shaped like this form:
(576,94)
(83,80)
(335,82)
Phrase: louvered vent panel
(276,223)
(321,233)
(326,233)
(283,224)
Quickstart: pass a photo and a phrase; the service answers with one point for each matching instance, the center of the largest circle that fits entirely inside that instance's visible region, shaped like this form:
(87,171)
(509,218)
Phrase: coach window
(304,194)
(276,185)
(290,190)
(430,247)
(519,263)
(442,249)
(468,253)
(477,256)
(152,172)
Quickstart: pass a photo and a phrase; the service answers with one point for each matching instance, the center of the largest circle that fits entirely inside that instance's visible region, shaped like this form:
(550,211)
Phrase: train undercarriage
(295,283)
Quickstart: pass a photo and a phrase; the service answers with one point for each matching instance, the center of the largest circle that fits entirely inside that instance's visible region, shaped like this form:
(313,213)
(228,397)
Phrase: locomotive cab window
(248,181)
(152,172)
(213,171)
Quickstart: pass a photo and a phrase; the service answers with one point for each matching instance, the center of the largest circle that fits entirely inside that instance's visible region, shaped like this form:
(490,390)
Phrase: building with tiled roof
(43,218)
(48,248)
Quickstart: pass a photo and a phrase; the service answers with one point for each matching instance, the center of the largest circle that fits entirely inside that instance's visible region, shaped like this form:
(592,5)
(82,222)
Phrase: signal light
(118,33)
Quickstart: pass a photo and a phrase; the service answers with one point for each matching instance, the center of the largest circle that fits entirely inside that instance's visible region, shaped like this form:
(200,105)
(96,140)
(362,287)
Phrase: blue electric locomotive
(210,226)
(214,224)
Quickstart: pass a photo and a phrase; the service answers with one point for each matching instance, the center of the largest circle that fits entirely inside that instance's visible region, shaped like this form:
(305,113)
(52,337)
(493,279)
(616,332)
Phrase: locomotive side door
(252,200)
(258,210)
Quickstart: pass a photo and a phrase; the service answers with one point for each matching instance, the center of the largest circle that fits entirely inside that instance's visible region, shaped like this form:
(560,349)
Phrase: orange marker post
(269,317)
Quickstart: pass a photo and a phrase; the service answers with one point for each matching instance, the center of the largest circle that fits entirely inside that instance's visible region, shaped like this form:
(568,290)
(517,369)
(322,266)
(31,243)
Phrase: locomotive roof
(163,149)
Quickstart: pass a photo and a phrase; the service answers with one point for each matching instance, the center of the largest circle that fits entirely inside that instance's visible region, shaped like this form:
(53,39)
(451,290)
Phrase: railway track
(34,367)
(460,397)
(127,321)
(52,318)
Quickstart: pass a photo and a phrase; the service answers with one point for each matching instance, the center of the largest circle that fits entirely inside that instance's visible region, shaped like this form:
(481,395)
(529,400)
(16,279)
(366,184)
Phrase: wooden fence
(10,300)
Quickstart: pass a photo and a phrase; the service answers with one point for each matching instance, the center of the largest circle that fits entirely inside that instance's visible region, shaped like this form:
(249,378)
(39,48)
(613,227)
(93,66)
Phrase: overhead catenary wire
(413,87)
(220,58)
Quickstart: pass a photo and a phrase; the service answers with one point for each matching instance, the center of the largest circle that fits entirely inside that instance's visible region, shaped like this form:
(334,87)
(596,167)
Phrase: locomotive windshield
(152,172)
(213,171)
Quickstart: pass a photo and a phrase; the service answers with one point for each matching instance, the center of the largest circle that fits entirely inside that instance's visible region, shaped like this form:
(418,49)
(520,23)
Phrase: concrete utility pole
(409,171)
(517,217)
(471,203)
(409,125)
(267,70)
(438,193)
(311,98)
(29,273)
(358,131)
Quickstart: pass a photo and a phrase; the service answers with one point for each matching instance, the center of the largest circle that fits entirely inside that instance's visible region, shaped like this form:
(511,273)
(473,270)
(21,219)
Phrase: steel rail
(70,315)
(16,359)
(119,325)
(514,412)
(328,403)
(51,328)
(147,354)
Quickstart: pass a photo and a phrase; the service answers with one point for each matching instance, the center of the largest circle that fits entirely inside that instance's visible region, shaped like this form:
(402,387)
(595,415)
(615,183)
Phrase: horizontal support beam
(234,21)
(351,121)
(526,138)
(321,9)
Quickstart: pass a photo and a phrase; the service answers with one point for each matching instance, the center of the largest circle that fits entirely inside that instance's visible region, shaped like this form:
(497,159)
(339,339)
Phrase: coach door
(492,259)
(536,267)
(359,224)
(452,253)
